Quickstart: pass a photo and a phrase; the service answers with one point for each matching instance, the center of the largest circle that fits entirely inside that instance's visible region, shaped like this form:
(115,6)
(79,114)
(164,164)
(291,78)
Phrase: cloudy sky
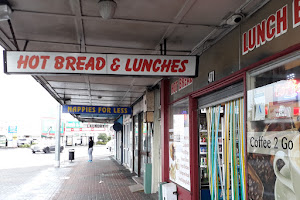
(23,99)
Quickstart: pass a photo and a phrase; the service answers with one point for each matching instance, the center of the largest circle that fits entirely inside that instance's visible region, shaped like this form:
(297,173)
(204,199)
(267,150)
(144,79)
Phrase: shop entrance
(136,143)
(222,144)
(142,144)
(146,146)
(127,141)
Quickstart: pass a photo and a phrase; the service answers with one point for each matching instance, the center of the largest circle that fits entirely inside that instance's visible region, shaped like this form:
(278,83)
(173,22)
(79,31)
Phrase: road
(25,175)
(23,157)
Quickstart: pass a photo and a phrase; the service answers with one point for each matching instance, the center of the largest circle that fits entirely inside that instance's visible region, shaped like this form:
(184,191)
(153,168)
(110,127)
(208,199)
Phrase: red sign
(180,84)
(272,27)
(68,63)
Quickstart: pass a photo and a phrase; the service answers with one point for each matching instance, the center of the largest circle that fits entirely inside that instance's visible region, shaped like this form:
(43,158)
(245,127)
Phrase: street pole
(57,139)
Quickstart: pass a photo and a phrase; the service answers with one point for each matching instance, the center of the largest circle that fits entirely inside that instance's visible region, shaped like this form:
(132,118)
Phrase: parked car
(3,141)
(45,146)
(23,141)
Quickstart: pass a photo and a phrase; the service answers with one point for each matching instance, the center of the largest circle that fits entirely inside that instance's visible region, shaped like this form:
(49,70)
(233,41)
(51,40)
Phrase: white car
(45,146)
(23,141)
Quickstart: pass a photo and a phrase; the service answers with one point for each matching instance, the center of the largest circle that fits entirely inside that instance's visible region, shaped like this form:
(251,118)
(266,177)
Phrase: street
(25,175)
(23,157)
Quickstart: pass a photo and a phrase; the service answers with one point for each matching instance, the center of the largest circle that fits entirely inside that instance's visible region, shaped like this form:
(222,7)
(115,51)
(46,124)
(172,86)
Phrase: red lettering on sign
(79,62)
(166,65)
(157,61)
(23,62)
(252,38)
(174,87)
(147,64)
(114,66)
(270,32)
(281,21)
(296,13)
(127,65)
(90,64)
(274,26)
(100,63)
(245,45)
(70,62)
(136,67)
(59,62)
(184,82)
(34,62)
(44,58)
(175,65)
(261,33)
(182,69)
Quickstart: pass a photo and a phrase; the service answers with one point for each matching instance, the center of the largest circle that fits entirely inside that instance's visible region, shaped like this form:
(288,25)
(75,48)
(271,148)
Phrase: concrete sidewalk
(102,179)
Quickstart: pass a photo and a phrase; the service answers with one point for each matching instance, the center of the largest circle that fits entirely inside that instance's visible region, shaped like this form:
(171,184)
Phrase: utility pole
(57,139)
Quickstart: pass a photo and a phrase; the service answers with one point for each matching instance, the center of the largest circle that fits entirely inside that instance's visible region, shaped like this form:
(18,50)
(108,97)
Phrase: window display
(273,124)
(179,145)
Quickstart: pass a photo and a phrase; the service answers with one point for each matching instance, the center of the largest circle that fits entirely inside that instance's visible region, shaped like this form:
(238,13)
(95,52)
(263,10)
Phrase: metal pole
(57,139)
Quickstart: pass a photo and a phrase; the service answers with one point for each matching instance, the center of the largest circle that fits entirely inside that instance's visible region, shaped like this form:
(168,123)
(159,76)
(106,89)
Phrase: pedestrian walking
(90,150)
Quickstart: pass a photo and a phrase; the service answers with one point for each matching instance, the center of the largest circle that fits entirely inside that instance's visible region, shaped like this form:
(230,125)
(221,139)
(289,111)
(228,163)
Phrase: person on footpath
(90,150)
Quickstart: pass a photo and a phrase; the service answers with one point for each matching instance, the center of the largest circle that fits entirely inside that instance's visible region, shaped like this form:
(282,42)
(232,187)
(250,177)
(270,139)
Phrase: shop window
(179,146)
(273,124)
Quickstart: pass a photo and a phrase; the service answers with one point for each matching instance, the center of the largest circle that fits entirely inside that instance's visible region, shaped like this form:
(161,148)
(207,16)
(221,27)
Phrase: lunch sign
(19,62)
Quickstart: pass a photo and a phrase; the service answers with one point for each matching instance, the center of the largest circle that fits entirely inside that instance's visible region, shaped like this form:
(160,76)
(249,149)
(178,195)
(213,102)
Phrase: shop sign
(180,84)
(94,125)
(84,129)
(286,90)
(49,126)
(76,109)
(12,129)
(272,141)
(74,124)
(272,27)
(83,63)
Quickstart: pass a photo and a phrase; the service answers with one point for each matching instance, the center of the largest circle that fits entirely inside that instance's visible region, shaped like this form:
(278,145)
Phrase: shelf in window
(203,166)
(203,153)
(203,143)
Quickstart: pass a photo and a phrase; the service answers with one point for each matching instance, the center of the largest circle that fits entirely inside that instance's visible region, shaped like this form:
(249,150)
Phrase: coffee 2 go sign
(270,142)
(272,27)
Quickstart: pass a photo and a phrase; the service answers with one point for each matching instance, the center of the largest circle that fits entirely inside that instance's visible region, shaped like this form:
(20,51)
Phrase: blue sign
(12,129)
(105,110)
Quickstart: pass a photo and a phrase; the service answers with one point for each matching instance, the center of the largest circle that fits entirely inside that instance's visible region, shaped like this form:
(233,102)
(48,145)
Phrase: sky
(23,99)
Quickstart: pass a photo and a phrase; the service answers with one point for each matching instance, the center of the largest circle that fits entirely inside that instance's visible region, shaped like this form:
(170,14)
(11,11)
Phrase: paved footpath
(102,179)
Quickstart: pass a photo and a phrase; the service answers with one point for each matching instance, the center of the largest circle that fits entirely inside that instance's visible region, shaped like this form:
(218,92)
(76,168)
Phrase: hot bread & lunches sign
(82,63)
